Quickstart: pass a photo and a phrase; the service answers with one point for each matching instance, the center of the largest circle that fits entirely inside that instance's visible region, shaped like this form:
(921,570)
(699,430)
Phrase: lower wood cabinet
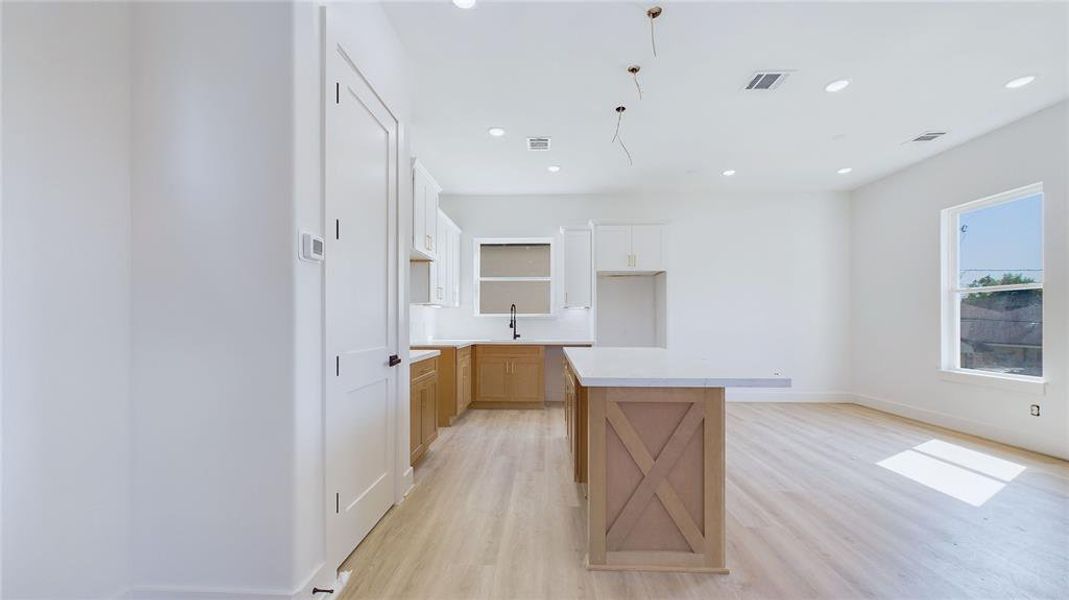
(509,376)
(423,407)
(454,382)
(464,379)
(575,420)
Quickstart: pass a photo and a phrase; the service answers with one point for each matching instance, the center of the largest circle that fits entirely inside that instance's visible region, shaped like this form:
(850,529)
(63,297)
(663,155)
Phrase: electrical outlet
(1035,410)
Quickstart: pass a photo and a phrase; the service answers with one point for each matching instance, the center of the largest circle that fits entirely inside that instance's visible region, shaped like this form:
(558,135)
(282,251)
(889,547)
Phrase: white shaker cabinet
(437,282)
(425,192)
(613,247)
(632,248)
(647,247)
(577,267)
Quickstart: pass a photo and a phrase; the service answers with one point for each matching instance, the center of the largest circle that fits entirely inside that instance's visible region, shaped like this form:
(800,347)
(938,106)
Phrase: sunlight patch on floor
(967,475)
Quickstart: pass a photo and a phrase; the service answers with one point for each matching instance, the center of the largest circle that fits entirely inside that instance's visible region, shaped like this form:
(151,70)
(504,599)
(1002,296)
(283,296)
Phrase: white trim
(960,425)
(758,395)
(477,278)
(1011,383)
(951,289)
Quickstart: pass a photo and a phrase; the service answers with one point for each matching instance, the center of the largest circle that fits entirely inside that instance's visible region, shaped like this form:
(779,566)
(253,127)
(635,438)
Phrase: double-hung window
(993,285)
(514,271)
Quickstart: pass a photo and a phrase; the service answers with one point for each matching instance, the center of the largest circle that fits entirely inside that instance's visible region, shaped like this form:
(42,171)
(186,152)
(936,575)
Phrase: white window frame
(951,369)
(477,277)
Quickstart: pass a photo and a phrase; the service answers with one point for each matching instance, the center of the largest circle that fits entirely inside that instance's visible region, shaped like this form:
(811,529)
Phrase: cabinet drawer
(495,350)
(424,368)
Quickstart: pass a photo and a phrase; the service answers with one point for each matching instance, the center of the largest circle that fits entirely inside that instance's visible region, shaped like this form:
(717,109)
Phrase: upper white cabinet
(425,192)
(437,282)
(636,248)
(577,267)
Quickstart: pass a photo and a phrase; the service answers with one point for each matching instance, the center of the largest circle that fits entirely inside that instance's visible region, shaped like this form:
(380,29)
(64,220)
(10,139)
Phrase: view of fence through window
(1000,251)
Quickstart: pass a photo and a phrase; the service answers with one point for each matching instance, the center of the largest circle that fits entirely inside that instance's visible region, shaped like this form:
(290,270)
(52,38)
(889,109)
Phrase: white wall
(213,293)
(760,281)
(173,149)
(66,302)
(896,282)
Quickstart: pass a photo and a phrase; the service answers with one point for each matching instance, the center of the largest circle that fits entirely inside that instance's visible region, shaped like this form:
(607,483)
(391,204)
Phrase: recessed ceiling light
(553,168)
(1020,82)
(844,170)
(837,86)
(465,4)
(496,131)
(728,173)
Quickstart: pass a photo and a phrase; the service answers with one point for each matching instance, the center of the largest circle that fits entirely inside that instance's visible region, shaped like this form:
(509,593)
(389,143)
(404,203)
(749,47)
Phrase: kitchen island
(652,455)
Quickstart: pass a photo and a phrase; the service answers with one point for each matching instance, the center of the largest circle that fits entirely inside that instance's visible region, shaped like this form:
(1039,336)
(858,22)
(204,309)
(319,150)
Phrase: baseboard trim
(959,425)
(786,395)
(321,576)
(149,592)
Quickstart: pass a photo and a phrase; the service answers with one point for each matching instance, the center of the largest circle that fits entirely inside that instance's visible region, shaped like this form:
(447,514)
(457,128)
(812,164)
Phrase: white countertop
(414,356)
(658,367)
(519,342)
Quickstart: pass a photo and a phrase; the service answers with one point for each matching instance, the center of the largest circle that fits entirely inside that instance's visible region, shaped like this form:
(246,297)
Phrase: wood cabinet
(637,248)
(425,193)
(509,376)
(577,267)
(454,382)
(575,421)
(464,379)
(423,408)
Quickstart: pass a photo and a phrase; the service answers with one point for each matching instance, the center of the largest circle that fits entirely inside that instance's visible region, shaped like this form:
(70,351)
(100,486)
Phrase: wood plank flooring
(810,515)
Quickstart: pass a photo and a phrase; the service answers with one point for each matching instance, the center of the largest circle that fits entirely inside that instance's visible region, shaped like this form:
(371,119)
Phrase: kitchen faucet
(512,322)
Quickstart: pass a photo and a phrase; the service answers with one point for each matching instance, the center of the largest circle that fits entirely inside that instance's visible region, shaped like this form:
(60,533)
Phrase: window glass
(514,260)
(530,297)
(1001,244)
(516,272)
(1002,332)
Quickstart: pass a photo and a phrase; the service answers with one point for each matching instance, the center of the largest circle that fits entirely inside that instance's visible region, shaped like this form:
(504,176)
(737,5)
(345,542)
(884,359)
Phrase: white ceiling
(559,69)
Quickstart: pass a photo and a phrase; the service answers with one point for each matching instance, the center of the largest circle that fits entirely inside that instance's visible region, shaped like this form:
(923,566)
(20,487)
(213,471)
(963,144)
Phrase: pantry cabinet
(630,248)
(577,267)
(425,193)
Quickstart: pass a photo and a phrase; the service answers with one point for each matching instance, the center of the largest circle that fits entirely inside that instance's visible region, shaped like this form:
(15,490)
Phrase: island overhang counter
(647,432)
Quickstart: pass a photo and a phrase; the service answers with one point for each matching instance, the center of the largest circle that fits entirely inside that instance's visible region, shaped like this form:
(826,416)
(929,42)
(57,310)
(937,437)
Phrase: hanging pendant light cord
(653,39)
(627,152)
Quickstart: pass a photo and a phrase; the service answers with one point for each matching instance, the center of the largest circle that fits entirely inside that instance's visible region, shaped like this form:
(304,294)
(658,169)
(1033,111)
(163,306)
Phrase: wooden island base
(656,479)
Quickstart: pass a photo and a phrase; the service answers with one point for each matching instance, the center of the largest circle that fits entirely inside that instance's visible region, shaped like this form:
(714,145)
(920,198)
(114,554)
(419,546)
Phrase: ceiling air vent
(928,136)
(538,144)
(767,80)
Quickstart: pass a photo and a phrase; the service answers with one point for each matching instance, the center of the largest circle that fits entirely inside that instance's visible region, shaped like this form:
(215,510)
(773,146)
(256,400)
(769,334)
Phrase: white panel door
(577,268)
(360,306)
(647,247)
(613,247)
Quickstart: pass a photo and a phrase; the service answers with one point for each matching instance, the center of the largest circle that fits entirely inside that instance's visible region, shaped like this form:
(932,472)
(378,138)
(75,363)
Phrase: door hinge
(337,502)
(337,229)
(337,366)
(337,92)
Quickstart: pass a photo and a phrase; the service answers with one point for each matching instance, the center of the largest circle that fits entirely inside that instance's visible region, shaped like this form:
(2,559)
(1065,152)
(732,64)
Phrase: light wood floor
(810,515)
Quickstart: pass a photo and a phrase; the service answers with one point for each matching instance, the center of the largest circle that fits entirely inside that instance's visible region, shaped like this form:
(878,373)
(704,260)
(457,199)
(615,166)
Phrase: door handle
(394,360)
